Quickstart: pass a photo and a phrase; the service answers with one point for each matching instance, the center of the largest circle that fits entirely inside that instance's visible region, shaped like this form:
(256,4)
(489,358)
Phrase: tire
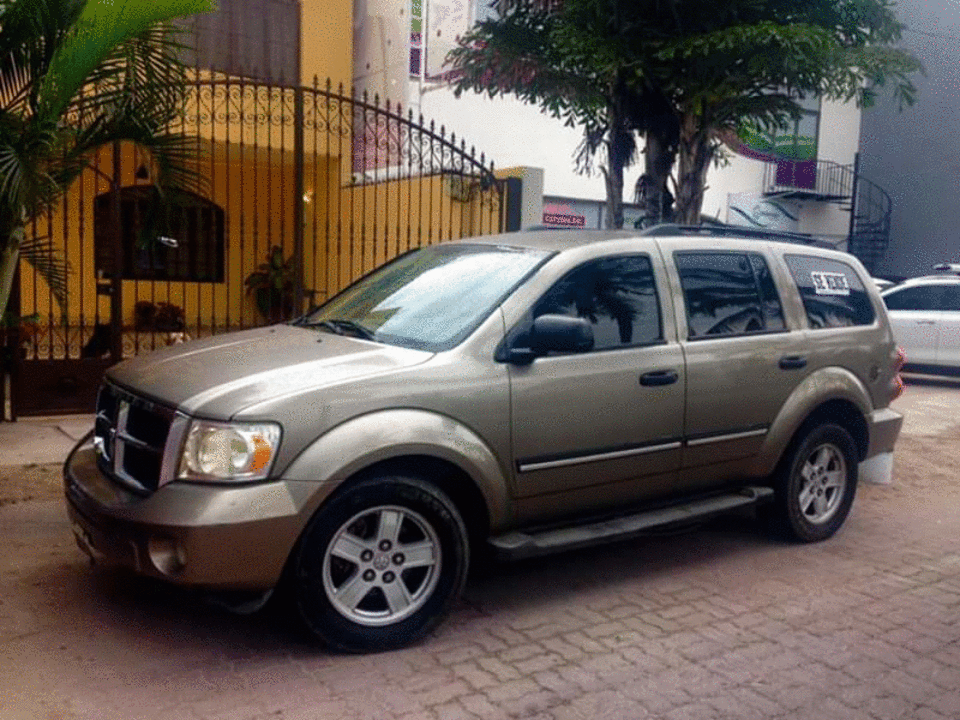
(815,484)
(380,564)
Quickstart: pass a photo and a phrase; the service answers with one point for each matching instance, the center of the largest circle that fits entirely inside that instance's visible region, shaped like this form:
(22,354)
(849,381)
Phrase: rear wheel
(380,564)
(816,484)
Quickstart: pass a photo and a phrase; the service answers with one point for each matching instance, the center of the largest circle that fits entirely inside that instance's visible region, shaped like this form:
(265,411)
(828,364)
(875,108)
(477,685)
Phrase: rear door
(742,363)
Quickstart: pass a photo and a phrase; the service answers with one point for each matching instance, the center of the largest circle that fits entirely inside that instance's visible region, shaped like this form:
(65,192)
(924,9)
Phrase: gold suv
(522,393)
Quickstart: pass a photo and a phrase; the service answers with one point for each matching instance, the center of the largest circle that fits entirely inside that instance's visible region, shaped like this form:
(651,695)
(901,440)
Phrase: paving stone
(865,626)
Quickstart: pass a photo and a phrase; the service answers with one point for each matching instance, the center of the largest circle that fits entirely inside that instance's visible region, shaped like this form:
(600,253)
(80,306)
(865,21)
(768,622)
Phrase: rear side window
(832,293)
(728,294)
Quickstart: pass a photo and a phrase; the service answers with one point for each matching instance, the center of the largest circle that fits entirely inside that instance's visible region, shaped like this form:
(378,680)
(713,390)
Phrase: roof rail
(721,230)
(948,267)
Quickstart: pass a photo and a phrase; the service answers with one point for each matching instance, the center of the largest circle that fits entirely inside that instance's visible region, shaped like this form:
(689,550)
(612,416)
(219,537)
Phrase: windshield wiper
(339,326)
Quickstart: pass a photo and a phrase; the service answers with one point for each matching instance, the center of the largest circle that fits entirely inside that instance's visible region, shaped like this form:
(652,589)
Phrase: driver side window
(617,295)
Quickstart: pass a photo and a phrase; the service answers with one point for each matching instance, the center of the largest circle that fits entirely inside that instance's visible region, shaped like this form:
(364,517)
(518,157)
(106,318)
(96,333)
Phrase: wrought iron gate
(305,189)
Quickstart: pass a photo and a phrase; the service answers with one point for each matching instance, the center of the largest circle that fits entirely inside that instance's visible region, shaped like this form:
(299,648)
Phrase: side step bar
(518,545)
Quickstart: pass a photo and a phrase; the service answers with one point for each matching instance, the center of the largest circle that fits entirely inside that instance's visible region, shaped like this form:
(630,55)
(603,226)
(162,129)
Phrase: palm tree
(76,75)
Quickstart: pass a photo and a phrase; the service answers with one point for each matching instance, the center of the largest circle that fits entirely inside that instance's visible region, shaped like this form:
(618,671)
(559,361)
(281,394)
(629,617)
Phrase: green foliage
(77,75)
(682,72)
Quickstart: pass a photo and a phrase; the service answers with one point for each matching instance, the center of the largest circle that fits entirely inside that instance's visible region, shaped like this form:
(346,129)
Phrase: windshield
(429,299)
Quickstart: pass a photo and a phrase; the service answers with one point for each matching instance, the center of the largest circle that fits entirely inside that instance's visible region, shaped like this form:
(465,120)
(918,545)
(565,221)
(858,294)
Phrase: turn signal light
(901,358)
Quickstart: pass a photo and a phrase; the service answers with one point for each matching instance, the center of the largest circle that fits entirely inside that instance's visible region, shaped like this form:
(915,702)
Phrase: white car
(925,317)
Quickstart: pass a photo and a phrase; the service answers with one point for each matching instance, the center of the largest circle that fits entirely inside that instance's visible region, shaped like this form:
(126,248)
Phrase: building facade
(399,52)
(916,150)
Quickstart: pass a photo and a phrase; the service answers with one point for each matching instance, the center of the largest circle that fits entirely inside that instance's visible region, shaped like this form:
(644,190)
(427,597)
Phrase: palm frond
(49,263)
(30,31)
(102,27)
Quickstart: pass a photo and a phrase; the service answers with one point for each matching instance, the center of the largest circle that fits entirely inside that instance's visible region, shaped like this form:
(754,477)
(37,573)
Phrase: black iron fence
(304,190)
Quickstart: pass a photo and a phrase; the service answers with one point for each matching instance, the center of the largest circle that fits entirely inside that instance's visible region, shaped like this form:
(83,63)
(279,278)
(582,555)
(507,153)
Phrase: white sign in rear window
(829,283)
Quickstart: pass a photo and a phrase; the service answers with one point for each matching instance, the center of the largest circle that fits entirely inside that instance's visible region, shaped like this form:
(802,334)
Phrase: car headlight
(225,452)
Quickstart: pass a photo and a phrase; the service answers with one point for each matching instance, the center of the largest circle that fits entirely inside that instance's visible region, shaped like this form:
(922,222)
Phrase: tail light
(897,383)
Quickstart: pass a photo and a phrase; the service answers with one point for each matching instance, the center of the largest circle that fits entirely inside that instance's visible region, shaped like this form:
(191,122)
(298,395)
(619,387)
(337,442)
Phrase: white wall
(839,135)
(381,29)
(513,133)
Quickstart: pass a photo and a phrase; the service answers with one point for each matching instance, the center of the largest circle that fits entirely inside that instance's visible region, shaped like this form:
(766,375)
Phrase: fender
(367,439)
(823,385)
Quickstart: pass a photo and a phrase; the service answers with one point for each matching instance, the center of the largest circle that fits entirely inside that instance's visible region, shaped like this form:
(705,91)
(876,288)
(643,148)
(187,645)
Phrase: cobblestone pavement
(718,622)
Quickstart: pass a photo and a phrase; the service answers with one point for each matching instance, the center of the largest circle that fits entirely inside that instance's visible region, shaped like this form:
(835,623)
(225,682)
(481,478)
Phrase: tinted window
(772,310)
(728,294)
(832,293)
(919,297)
(617,295)
(950,300)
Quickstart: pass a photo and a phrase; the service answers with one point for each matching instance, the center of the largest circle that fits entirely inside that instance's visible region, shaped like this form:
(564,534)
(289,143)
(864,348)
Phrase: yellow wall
(326,34)
(348,230)
(244,141)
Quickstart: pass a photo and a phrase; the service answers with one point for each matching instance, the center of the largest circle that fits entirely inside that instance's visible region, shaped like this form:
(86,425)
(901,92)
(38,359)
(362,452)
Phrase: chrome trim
(727,436)
(173,448)
(116,437)
(613,455)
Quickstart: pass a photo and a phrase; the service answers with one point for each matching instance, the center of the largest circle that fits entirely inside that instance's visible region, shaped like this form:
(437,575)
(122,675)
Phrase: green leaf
(103,26)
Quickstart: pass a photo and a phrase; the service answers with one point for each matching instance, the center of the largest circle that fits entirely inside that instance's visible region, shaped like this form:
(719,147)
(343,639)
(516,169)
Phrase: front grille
(130,434)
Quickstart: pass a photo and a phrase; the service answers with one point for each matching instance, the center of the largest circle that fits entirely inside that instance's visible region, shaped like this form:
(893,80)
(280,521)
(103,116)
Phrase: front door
(914,314)
(602,427)
(948,349)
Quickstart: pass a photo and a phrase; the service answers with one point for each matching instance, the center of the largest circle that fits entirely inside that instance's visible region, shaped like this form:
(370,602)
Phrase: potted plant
(272,286)
(18,332)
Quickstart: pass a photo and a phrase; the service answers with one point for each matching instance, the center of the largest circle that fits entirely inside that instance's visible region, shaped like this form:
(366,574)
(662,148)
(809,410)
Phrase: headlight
(224,452)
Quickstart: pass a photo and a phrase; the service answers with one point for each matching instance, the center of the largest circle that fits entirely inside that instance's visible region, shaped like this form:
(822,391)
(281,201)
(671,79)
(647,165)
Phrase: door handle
(659,377)
(926,322)
(792,362)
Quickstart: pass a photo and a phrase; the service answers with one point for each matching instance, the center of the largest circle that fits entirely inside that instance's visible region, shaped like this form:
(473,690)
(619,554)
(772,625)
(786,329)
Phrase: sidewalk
(41,440)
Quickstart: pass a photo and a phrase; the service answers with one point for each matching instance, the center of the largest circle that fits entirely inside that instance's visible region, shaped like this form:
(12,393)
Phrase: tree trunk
(695,154)
(613,177)
(619,149)
(652,193)
(9,254)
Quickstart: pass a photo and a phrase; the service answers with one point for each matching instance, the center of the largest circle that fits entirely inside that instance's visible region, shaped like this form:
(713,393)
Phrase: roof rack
(721,230)
(948,267)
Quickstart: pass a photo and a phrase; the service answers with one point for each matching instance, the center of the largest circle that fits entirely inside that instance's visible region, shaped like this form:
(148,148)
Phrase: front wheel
(815,484)
(380,564)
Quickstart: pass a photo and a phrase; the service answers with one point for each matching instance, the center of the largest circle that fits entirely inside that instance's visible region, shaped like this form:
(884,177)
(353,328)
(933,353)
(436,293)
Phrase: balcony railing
(809,179)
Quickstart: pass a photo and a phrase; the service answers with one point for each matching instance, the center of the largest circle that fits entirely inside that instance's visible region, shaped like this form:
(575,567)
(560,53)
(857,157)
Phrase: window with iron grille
(180,238)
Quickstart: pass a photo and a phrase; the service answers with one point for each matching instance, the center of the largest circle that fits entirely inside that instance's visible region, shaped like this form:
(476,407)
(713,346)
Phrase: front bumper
(211,536)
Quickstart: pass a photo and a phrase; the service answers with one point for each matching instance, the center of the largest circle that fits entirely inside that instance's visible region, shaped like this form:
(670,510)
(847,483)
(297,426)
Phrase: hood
(217,377)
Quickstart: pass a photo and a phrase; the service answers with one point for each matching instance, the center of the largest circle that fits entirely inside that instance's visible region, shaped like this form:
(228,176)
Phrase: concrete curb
(41,440)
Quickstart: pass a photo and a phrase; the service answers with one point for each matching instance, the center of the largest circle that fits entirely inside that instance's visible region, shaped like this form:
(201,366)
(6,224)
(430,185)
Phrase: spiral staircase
(869,204)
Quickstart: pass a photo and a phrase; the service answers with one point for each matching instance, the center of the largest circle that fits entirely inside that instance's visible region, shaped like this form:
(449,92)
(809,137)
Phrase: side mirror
(562,334)
(549,333)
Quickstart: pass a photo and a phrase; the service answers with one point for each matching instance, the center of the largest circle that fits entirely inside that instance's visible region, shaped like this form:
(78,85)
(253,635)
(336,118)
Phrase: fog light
(166,554)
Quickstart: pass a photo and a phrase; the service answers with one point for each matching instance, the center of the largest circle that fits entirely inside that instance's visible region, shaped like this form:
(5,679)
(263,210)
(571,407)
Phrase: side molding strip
(612,455)
(727,437)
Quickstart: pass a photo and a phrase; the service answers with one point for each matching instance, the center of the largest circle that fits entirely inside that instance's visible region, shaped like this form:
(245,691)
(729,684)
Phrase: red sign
(564,219)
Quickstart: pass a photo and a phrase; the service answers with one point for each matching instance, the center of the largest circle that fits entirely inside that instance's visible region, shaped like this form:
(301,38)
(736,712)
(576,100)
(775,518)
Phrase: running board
(517,545)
